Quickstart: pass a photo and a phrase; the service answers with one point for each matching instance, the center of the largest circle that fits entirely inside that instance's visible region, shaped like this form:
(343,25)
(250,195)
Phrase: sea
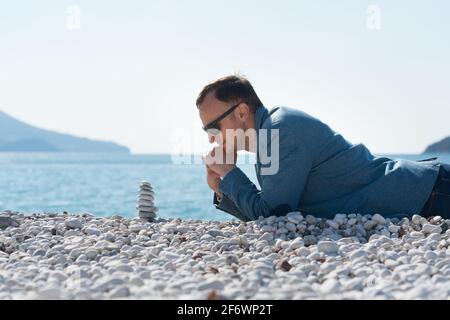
(107,184)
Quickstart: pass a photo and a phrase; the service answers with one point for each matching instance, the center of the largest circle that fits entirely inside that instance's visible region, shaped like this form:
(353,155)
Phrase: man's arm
(221,201)
(227,205)
(280,192)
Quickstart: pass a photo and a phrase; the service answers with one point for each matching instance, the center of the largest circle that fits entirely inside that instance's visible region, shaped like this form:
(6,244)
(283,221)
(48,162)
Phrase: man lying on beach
(313,169)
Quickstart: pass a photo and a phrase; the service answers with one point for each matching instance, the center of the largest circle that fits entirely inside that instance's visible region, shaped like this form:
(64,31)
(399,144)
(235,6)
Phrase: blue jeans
(438,204)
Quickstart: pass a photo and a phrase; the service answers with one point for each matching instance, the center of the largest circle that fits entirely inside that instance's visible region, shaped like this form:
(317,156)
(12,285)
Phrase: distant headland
(442,146)
(18,136)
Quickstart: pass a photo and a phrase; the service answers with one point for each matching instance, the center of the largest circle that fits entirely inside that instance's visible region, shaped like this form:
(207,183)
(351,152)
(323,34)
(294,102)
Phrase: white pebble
(333,224)
(266,236)
(291,227)
(211,285)
(379,219)
(73,224)
(416,219)
(327,247)
(431,228)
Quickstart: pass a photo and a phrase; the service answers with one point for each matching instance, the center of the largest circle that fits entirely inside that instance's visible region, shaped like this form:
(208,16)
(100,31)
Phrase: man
(318,172)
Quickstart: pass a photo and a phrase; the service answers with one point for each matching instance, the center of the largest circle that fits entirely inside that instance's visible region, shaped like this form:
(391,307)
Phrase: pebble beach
(66,256)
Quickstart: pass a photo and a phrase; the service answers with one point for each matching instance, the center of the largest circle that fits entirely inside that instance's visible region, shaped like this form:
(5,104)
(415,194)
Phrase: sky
(130,71)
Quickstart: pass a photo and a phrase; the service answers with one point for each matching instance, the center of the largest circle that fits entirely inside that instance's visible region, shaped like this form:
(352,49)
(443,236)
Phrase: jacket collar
(261,114)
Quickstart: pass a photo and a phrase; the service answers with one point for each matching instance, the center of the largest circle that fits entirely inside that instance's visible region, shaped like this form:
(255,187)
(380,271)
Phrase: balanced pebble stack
(146,208)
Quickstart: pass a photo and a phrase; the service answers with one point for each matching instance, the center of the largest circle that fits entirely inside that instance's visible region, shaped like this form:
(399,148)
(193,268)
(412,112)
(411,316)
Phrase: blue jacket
(321,173)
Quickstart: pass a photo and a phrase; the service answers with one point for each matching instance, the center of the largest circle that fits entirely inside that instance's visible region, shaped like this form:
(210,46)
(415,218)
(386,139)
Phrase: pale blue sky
(132,72)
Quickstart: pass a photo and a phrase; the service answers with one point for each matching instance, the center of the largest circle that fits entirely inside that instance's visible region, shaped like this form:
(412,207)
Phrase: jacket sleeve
(228,206)
(281,191)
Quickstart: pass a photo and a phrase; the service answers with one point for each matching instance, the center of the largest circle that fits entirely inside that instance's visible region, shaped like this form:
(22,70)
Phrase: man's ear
(243,111)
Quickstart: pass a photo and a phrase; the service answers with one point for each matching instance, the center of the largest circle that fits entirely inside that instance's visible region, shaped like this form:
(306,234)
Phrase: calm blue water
(105,184)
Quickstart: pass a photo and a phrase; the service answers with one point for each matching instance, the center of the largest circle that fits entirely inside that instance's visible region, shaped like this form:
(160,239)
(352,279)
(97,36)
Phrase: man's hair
(235,88)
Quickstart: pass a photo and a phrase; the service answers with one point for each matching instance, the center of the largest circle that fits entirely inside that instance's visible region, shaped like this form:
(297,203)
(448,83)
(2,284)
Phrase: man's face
(209,110)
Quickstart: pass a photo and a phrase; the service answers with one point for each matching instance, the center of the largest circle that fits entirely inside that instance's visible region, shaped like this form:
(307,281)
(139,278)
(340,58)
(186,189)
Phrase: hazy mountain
(442,146)
(17,136)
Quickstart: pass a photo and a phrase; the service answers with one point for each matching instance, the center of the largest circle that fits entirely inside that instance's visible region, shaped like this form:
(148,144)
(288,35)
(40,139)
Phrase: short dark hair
(234,88)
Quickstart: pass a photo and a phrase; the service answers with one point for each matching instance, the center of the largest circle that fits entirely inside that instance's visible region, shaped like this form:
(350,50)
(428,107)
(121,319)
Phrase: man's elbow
(281,210)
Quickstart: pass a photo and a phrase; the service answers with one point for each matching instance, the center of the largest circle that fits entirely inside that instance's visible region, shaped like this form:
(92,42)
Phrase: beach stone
(137,281)
(311,219)
(368,225)
(266,228)
(436,219)
(124,268)
(291,227)
(146,183)
(39,253)
(109,236)
(310,240)
(385,232)
(75,253)
(146,195)
(107,283)
(171,255)
(120,292)
(358,254)
(150,209)
(339,218)
(378,218)
(266,236)
(285,265)
(230,259)
(416,219)
(145,203)
(361,230)
(5,222)
(93,232)
(211,284)
(49,294)
(430,255)
(215,233)
(393,228)
(333,224)
(147,215)
(106,245)
(71,233)
(73,224)
(431,228)
(294,217)
(91,253)
(417,234)
(296,243)
(136,228)
(330,286)
(327,247)
(303,252)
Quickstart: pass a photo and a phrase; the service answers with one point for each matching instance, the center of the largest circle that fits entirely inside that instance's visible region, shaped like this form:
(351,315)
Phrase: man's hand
(216,161)
(213,180)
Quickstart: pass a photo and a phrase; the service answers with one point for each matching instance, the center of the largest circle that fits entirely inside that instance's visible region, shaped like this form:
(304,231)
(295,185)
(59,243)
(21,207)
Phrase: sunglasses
(214,125)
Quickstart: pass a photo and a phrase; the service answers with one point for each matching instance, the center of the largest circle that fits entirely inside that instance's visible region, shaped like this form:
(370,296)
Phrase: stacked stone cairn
(146,199)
